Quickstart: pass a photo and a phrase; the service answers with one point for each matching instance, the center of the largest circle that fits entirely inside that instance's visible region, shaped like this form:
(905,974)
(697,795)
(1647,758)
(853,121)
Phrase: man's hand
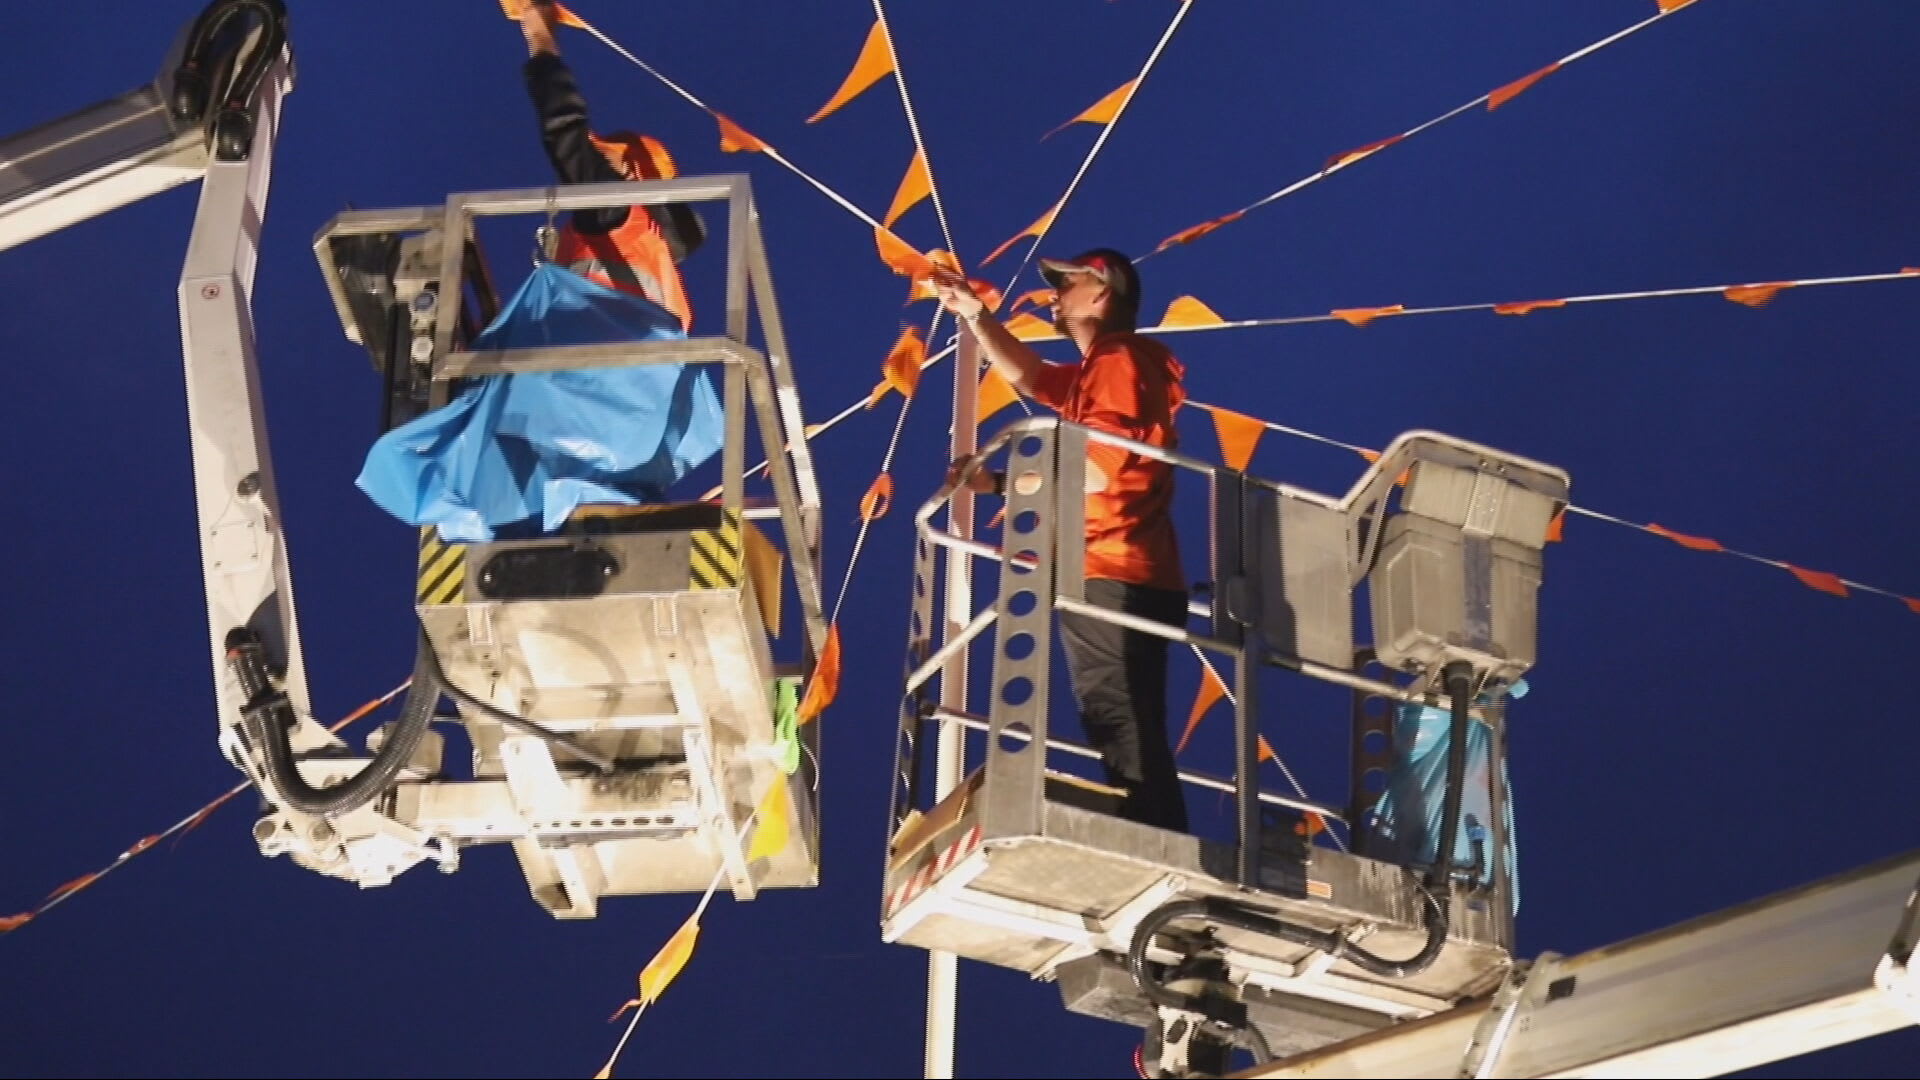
(956,295)
(537,20)
(981,481)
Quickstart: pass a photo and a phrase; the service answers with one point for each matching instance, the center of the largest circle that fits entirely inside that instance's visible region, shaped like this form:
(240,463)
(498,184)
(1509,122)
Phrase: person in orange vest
(631,248)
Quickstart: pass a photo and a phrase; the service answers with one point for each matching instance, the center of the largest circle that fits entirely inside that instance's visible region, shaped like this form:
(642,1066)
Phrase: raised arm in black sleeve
(564,131)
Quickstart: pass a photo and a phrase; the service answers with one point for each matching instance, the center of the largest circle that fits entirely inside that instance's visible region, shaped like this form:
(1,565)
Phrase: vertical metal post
(950,749)
(733,451)
(1237,620)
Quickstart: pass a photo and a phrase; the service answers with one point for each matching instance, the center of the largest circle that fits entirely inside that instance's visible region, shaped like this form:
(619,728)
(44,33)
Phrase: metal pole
(950,750)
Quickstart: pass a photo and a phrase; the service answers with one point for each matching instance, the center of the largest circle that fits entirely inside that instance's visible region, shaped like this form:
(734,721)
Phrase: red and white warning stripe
(933,869)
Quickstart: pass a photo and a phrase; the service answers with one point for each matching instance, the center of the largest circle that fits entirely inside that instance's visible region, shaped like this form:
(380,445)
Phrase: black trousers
(1120,683)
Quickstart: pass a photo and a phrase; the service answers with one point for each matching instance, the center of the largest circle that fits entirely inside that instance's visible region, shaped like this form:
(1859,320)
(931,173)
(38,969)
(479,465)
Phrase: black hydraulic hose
(437,676)
(269,719)
(1459,682)
(231,128)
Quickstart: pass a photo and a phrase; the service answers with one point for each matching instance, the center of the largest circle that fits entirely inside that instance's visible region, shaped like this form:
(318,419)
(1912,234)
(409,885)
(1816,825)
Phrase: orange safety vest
(633,258)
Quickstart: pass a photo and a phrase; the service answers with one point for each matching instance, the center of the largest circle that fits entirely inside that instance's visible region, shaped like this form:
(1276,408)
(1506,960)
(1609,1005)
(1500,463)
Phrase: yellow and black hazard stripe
(715,562)
(443,569)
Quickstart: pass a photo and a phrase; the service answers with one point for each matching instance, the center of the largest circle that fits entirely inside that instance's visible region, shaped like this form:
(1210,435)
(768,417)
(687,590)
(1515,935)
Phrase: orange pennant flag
(1756,296)
(901,256)
(667,964)
(1910,270)
(1557,528)
(144,843)
(874,63)
(1238,436)
(1358,152)
(1209,695)
(1819,579)
(72,887)
(1038,298)
(1526,307)
(1100,112)
(825,684)
(1266,753)
(1195,232)
(1697,543)
(1371,455)
(1912,605)
(1189,311)
(1667,6)
(15,922)
(1027,326)
(1514,89)
(916,185)
(771,832)
(995,393)
(1363,316)
(901,370)
(734,138)
(515,8)
(878,499)
(1040,225)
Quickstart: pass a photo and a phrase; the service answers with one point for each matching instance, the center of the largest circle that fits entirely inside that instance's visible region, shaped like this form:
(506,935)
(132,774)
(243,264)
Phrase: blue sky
(1702,730)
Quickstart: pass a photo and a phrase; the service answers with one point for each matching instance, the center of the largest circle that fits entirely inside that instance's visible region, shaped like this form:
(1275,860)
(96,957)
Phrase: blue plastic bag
(510,448)
(1406,825)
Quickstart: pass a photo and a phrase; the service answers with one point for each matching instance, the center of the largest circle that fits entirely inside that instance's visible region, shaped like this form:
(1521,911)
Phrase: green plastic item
(786,723)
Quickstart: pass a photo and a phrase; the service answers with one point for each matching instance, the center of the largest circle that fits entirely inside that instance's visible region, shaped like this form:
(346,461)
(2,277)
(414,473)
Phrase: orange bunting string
(1210,692)
(1697,543)
(874,63)
(1100,112)
(1027,326)
(915,186)
(1557,528)
(1365,315)
(1358,152)
(902,257)
(1189,311)
(995,393)
(515,8)
(1195,232)
(825,684)
(734,138)
(1238,436)
(1527,307)
(1820,579)
(1040,225)
(1756,296)
(878,499)
(1514,89)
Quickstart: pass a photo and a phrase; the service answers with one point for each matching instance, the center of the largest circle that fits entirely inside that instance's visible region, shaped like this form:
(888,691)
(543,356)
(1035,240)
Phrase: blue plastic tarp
(1406,826)
(532,446)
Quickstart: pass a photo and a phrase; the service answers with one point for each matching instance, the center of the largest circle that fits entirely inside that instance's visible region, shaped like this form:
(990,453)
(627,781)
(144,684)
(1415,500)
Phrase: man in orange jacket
(631,248)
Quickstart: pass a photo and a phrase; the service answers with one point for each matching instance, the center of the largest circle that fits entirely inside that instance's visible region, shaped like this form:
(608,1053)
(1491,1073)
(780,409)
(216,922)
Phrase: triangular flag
(1040,225)
(903,258)
(1188,311)
(1027,326)
(916,185)
(770,834)
(995,393)
(1038,298)
(874,63)
(15,922)
(825,684)
(1697,543)
(1195,232)
(1210,692)
(1526,307)
(668,962)
(734,138)
(766,563)
(901,370)
(1557,528)
(1756,296)
(1820,579)
(878,499)
(1341,161)
(1364,315)
(1238,436)
(515,8)
(1668,6)
(73,886)
(1912,605)
(1514,89)
(1100,112)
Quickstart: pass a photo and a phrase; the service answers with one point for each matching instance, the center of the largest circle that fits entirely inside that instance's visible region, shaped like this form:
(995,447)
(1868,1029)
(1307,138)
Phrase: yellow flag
(666,964)
(770,835)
